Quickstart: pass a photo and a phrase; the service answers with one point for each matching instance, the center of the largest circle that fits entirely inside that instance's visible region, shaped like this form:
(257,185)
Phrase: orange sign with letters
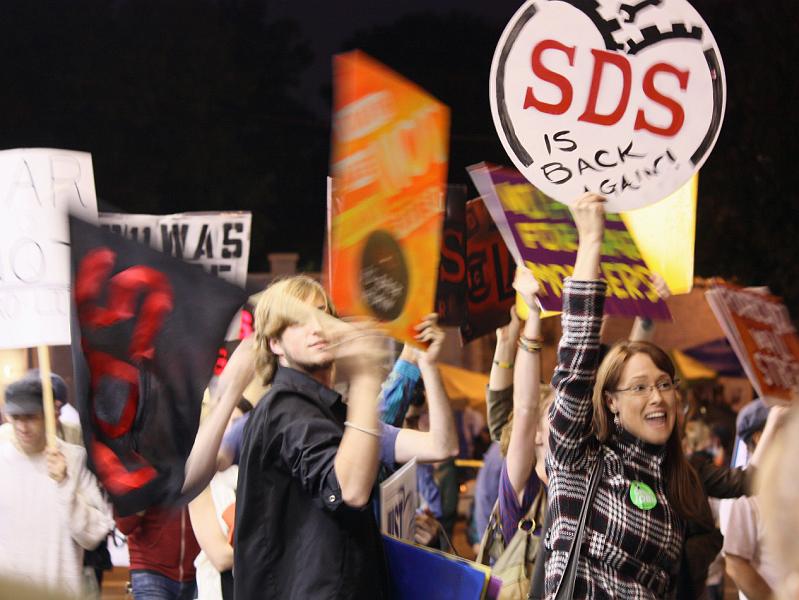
(389,168)
(763,337)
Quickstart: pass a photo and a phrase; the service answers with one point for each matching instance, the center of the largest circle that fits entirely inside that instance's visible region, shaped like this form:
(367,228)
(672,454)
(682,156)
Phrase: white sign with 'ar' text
(623,99)
(38,188)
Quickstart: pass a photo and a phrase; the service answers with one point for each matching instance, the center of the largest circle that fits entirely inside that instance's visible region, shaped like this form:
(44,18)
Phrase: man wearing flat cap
(51,508)
(69,432)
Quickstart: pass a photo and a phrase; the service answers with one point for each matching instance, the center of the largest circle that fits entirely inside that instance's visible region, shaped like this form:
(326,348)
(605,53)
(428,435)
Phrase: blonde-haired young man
(309,462)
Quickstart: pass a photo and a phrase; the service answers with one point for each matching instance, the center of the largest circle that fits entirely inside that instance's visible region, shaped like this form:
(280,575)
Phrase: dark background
(207,105)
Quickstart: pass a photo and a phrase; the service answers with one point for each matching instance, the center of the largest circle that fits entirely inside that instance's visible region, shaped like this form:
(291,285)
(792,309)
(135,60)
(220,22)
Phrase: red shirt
(161,540)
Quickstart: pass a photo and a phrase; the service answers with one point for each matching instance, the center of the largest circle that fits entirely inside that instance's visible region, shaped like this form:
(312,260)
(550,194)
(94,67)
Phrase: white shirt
(44,525)
(223,493)
(744,537)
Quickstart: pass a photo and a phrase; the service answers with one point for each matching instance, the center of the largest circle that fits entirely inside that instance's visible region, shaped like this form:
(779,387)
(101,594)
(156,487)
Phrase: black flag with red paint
(145,332)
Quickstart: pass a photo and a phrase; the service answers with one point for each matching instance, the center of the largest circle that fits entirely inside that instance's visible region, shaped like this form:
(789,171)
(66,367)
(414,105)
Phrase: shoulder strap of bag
(489,536)
(566,586)
(536,591)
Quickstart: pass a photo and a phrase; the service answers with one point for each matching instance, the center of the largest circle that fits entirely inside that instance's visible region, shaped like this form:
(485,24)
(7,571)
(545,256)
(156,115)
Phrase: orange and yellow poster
(763,337)
(389,169)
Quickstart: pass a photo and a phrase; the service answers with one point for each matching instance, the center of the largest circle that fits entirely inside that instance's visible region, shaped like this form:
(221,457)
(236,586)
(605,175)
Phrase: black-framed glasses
(639,389)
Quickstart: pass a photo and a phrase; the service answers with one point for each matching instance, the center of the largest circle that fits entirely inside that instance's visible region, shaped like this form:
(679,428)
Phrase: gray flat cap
(24,396)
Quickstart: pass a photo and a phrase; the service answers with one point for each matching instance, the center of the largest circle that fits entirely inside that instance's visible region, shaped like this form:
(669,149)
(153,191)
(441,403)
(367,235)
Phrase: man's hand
(589,216)
(431,333)
(359,348)
(56,464)
(510,332)
(426,529)
(527,287)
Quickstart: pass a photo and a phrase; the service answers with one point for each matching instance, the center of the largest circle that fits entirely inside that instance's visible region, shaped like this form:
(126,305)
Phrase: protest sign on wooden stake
(38,187)
(47,395)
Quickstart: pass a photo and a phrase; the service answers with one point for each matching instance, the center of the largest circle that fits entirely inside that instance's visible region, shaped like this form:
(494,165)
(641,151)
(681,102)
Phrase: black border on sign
(504,118)
(713,63)
(714,66)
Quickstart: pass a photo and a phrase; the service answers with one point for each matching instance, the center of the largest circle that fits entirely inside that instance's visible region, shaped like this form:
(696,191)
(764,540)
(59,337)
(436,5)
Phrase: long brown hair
(683,487)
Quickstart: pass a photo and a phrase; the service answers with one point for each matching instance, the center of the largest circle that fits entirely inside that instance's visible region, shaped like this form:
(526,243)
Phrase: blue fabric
(388,443)
(235,436)
(395,398)
(148,585)
(425,474)
(416,572)
(397,392)
(719,356)
(428,489)
(486,488)
(510,510)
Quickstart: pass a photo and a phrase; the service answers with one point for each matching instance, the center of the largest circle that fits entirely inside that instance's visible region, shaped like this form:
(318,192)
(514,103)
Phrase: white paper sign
(38,188)
(219,242)
(622,99)
(398,502)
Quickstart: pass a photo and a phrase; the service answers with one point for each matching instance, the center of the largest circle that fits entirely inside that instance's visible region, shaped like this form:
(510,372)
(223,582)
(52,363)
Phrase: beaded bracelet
(503,365)
(530,344)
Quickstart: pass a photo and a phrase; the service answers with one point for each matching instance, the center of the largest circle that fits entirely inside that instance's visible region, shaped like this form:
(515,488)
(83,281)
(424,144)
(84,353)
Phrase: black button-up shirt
(294,537)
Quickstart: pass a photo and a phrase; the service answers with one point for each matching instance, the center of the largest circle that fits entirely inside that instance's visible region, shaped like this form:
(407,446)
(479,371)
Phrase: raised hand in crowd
(499,393)
(203,460)
(359,350)
(521,451)
(501,375)
(429,333)
(589,217)
(441,441)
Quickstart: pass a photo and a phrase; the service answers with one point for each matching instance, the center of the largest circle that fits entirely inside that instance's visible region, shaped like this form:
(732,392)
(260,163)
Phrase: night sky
(224,104)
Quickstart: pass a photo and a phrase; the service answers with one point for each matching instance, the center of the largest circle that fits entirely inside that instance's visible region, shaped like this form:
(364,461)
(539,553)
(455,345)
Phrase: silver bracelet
(374,432)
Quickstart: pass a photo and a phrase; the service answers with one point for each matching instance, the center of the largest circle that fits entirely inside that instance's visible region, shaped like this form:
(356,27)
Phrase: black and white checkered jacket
(628,553)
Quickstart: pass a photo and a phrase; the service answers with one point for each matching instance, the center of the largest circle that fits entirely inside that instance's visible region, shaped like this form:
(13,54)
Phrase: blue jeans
(148,585)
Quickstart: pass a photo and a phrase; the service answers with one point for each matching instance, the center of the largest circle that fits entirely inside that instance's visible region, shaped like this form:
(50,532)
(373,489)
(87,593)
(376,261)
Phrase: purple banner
(541,232)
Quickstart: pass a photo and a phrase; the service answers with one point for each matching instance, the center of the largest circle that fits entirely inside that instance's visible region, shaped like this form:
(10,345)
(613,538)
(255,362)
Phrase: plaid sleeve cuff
(583,303)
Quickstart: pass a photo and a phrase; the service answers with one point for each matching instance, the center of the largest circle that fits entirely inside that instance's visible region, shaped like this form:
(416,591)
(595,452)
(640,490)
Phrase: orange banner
(389,167)
(763,337)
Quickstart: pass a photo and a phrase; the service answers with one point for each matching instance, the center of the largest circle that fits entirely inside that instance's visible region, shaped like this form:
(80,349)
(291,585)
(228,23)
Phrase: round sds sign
(622,99)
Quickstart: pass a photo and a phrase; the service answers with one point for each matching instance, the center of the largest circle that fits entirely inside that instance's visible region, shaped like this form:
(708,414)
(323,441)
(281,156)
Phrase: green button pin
(642,495)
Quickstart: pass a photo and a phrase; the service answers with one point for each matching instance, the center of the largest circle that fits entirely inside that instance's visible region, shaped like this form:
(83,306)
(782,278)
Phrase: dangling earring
(616,420)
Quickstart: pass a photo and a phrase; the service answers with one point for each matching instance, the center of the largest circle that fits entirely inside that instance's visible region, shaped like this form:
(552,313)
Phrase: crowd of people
(602,484)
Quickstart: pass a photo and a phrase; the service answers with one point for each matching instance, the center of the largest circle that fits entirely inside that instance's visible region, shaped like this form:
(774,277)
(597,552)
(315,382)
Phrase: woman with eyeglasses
(619,417)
